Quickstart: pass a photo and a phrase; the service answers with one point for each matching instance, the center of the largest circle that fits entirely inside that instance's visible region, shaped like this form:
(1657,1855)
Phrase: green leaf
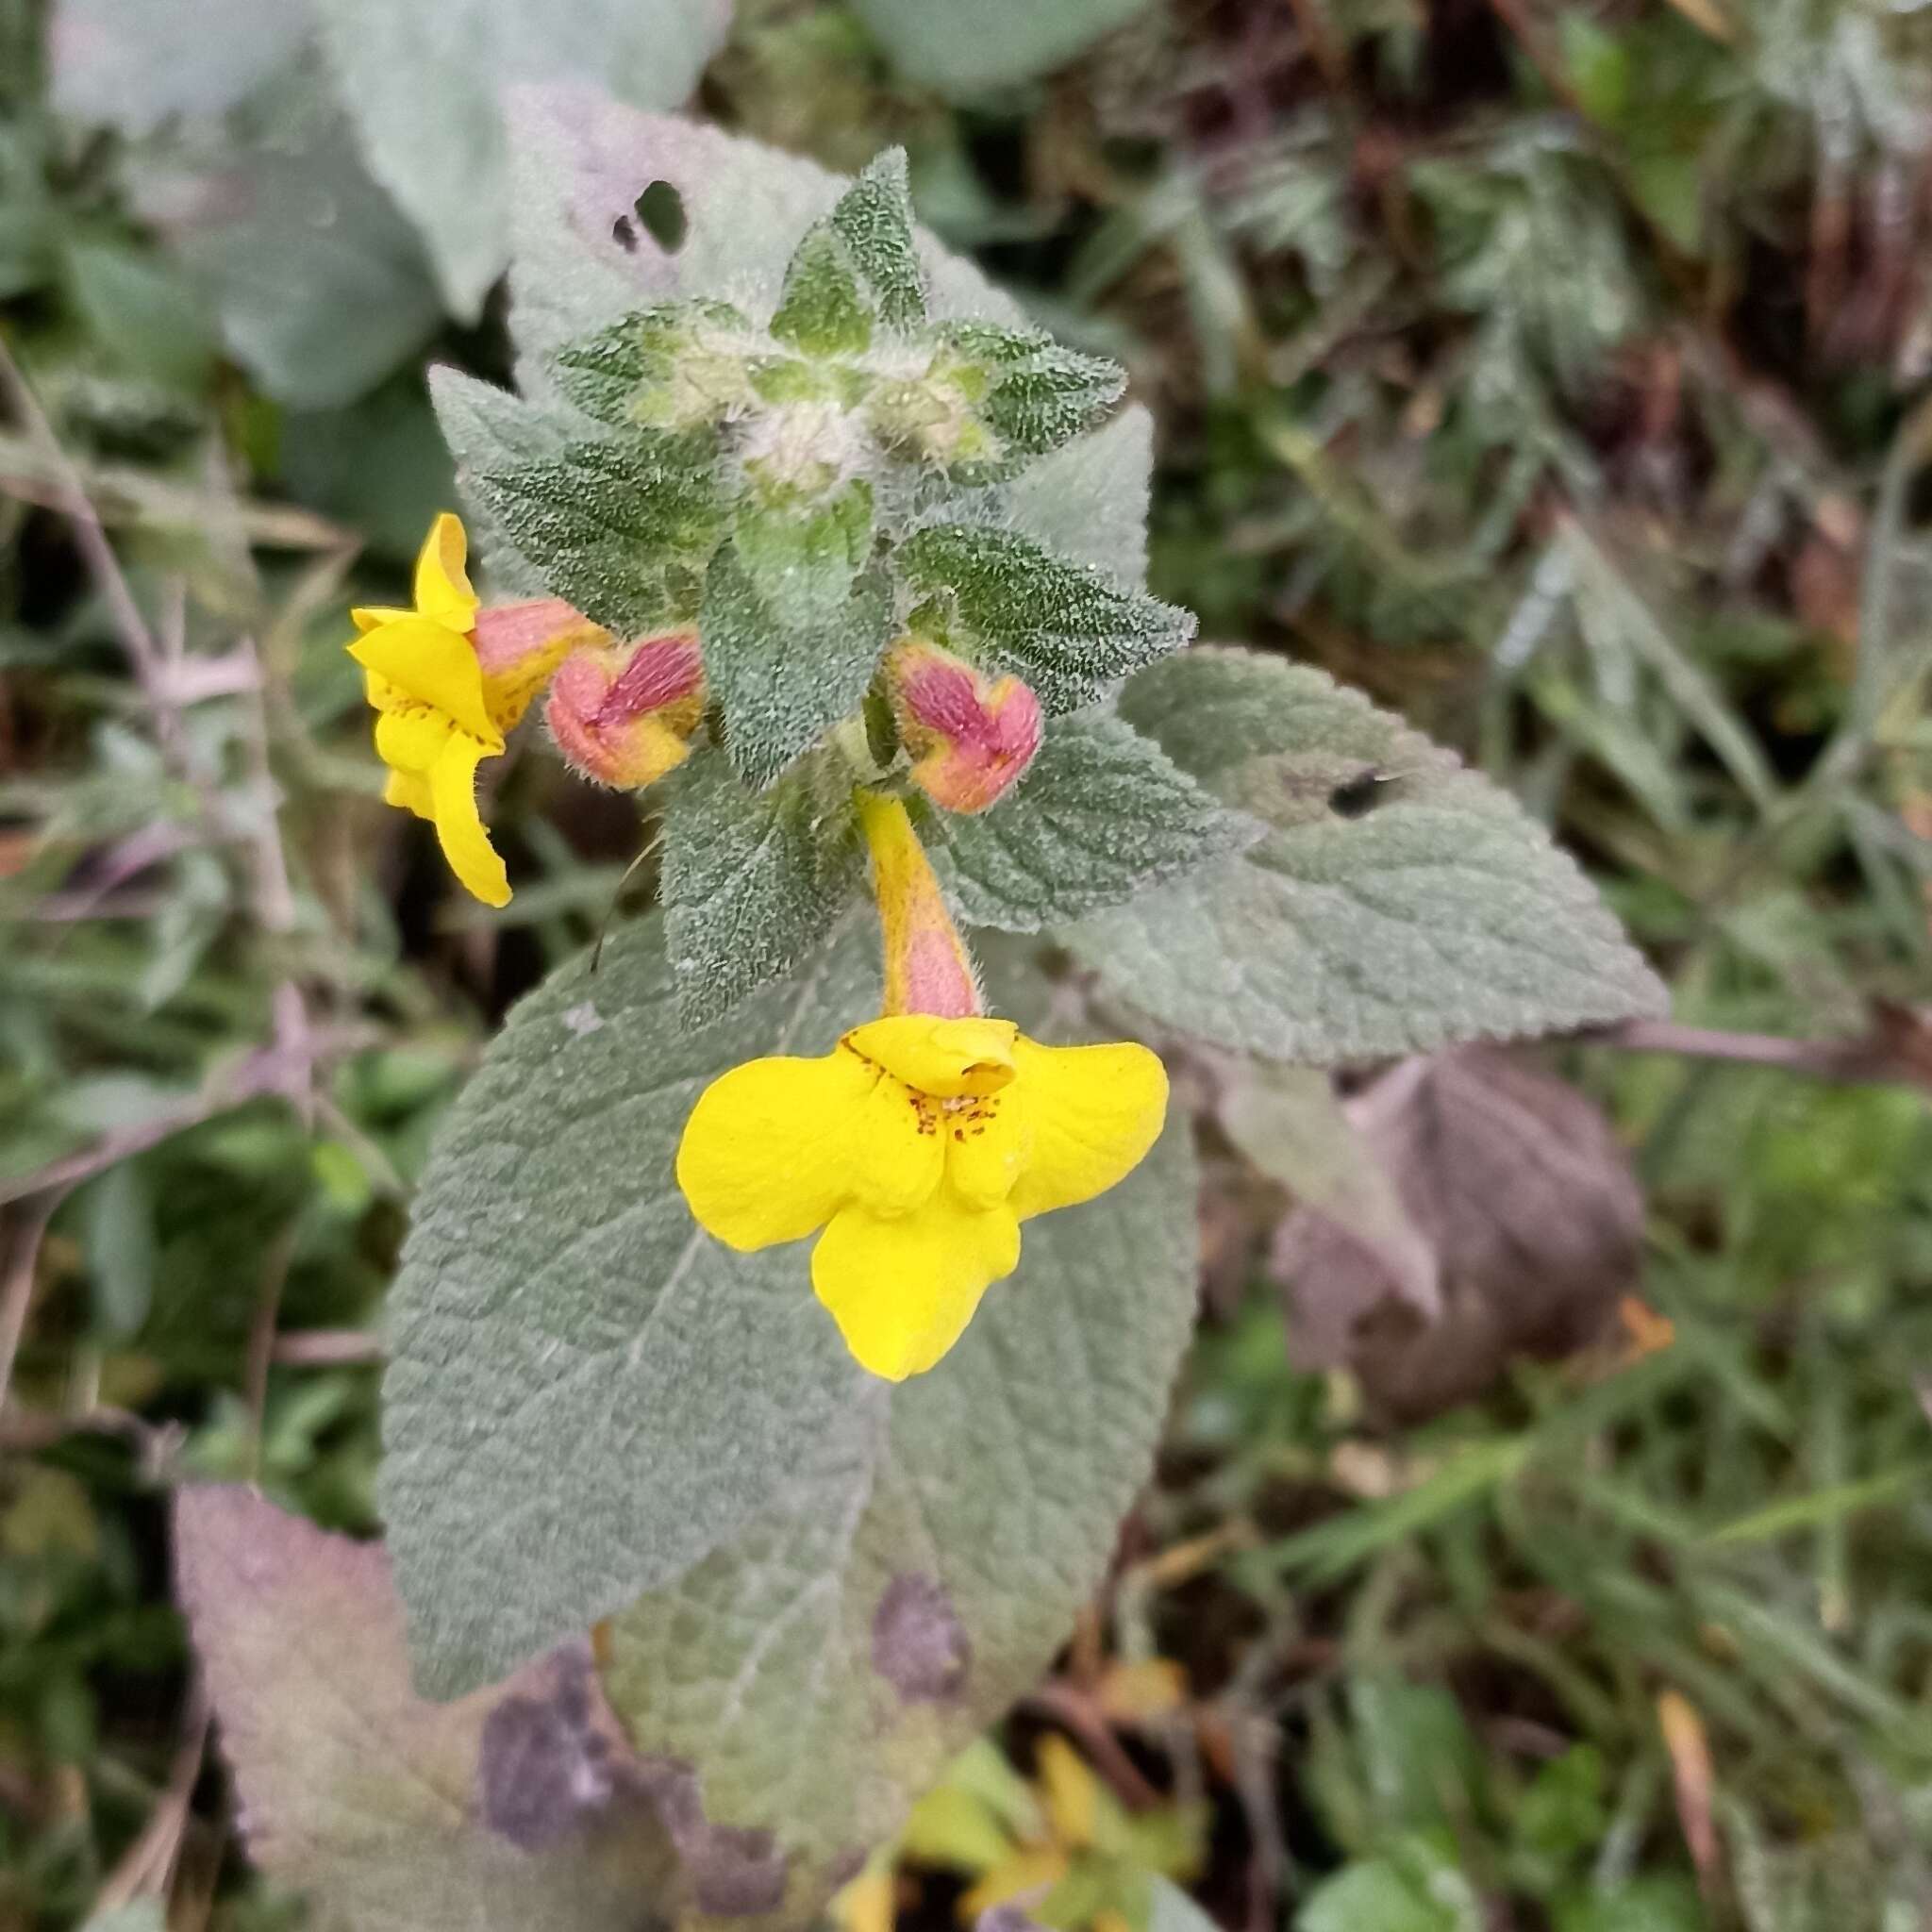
(1399,904)
(990,398)
(489,429)
(118,1238)
(1420,1761)
(964,51)
(1174,1910)
(1089,501)
(623,530)
(581,261)
(782,687)
(585,1393)
(1671,190)
(1287,1123)
(801,562)
(818,1671)
(378,466)
(752,881)
(1039,393)
(1651,1901)
(1598,65)
(447,169)
(873,219)
(508,1809)
(144,311)
(1560,1821)
(1101,814)
(1416,1886)
(820,309)
(1069,630)
(31,222)
(320,285)
(681,365)
(135,63)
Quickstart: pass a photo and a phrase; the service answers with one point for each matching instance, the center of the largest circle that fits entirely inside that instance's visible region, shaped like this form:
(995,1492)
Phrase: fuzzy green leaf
(507,1809)
(585,1393)
(678,366)
(752,881)
(819,1669)
(1089,500)
(1400,903)
(582,264)
(318,284)
(783,686)
(990,399)
(425,86)
(489,429)
(623,530)
(1039,393)
(144,311)
(1102,814)
(821,310)
(873,219)
(133,64)
(1069,630)
(802,561)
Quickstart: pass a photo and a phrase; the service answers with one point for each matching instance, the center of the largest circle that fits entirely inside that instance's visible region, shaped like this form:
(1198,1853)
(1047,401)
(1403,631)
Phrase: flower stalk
(928,967)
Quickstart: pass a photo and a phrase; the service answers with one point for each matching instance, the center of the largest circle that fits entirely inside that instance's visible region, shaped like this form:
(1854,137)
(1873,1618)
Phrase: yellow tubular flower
(919,1144)
(448,681)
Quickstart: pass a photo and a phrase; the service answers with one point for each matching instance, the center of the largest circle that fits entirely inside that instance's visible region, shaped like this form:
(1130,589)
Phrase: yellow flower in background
(867,1902)
(1063,1846)
(449,681)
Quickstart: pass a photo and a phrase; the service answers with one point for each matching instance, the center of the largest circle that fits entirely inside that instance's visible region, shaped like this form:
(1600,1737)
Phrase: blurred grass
(1553,373)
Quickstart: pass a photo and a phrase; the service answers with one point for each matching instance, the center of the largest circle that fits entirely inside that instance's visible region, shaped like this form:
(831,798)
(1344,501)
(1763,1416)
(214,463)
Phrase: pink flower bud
(623,716)
(971,736)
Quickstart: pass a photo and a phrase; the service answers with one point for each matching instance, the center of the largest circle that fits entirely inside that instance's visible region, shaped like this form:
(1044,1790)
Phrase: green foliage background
(1552,374)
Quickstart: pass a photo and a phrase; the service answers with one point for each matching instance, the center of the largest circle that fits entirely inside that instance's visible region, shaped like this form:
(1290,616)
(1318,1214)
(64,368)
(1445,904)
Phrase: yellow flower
(919,1144)
(448,681)
(1065,1846)
(867,1902)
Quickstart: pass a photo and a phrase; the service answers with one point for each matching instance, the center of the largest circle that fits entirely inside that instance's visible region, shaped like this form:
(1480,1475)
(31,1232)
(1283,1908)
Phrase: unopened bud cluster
(747,524)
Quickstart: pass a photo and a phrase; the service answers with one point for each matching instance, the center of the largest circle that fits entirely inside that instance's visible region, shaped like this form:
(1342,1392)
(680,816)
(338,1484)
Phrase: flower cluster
(452,677)
(917,1146)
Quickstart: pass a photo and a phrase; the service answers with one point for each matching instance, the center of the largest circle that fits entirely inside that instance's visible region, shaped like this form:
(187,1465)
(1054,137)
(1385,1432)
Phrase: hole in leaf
(660,210)
(1354,798)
